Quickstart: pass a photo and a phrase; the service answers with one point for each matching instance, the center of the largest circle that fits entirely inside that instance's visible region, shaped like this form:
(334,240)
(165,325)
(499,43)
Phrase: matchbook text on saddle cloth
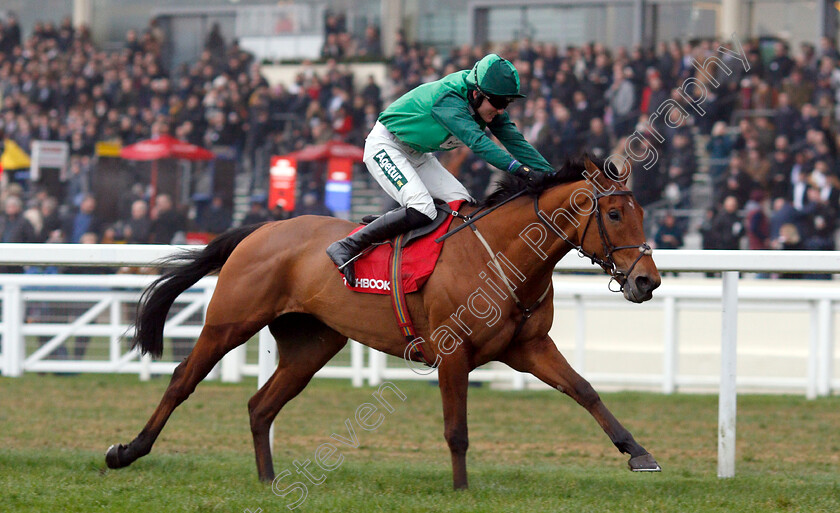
(373,272)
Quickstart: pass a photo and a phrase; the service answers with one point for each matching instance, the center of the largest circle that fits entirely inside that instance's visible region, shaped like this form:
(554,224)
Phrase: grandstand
(253,80)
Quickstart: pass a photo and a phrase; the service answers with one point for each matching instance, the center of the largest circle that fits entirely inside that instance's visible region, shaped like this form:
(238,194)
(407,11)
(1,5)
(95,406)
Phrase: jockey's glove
(533,179)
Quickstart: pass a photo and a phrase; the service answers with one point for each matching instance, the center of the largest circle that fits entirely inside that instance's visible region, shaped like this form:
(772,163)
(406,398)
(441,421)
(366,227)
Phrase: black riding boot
(384,227)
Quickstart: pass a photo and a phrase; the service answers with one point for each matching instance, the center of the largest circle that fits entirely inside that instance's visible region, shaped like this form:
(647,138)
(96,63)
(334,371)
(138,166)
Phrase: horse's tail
(185,268)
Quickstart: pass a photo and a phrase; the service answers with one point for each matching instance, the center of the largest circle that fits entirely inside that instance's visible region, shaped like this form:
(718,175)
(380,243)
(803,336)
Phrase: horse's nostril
(643,283)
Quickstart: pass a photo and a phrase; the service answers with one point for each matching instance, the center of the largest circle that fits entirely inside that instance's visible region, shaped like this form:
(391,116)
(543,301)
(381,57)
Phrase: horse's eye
(614,215)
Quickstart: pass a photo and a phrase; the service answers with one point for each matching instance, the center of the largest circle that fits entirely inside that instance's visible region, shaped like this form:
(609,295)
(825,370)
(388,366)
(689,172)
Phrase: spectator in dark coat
(708,234)
(758,224)
(50,219)
(256,214)
(783,213)
(598,140)
(166,221)
(11,34)
(669,235)
(719,148)
(215,42)
(83,221)
(781,65)
(15,228)
(735,183)
(822,221)
(138,228)
(728,226)
(310,205)
(217,218)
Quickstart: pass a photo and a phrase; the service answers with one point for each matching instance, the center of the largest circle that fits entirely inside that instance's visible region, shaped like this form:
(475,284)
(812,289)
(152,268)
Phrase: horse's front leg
(453,376)
(541,358)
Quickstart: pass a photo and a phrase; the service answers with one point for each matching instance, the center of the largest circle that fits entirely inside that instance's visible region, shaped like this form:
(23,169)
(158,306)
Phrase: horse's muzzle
(639,288)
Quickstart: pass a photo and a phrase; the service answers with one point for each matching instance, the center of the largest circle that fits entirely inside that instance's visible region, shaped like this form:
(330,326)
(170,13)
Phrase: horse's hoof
(644,463)
(112,456)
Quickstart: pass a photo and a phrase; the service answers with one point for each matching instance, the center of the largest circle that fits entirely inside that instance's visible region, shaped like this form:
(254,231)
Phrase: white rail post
(267,358)
(145,367)
(115,337)
(826,351)
(357,363)
(232,365)
(517,380)
(265,368)
(4,351)
(14,345)
(813,352)
(670,353)
(580,335)
(376,361)
(727,401)
(216,371)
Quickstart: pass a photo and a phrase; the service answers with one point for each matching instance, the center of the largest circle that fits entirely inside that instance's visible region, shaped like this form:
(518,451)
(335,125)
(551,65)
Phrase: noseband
(607,263)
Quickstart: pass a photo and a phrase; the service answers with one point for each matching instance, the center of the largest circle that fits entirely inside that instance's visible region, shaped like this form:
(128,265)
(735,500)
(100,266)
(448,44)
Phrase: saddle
(412,235)
(417,250)
(403,265)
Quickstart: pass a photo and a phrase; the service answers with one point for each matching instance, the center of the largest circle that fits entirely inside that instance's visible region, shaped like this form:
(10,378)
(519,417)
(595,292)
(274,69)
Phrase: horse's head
(606,225)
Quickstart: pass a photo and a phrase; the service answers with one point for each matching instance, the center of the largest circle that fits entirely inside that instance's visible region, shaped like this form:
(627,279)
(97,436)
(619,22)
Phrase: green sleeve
(507,133)
(452,112)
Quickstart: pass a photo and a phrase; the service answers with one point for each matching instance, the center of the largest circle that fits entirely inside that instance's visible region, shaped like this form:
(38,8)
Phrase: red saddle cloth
(373,269)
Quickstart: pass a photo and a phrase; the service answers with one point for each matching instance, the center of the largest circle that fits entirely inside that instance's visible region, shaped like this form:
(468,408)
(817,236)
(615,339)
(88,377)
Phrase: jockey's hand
(533,179)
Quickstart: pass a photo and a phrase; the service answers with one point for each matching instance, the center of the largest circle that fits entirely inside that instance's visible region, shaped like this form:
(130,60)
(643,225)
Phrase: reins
(475,216)
(607,263)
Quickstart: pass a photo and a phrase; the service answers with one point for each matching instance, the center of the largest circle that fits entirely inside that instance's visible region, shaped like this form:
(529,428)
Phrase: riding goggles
(499,102)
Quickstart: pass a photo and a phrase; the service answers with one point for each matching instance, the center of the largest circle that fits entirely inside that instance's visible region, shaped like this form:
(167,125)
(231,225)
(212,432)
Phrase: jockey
(439,116)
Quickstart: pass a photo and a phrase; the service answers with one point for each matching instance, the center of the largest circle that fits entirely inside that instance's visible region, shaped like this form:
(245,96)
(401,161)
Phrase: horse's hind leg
(542,359)
(213,343)
(304,345)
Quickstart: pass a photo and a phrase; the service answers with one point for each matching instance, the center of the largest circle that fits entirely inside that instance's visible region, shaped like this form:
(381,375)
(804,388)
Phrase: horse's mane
(571,171)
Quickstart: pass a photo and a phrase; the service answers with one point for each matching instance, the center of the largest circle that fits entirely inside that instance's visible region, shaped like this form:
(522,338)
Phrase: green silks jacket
(437,116)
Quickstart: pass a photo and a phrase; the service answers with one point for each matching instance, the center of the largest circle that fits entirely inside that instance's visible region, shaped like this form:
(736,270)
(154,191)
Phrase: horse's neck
(527,246)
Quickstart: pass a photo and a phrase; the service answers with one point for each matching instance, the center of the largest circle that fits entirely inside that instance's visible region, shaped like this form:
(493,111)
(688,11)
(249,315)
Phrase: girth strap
(417,352)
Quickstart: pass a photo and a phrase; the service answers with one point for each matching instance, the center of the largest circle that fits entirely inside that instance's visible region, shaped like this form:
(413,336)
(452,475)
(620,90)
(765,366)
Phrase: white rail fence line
(675,298)
(730,263)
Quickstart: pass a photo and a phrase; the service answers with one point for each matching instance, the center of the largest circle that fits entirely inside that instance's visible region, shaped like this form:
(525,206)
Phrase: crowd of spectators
(775,171)
(767,144)
(766,147)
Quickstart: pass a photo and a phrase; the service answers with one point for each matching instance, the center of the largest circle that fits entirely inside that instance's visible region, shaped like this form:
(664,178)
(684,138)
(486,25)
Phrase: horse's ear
(624,175)
(593,173)
(611,171)
(590,166)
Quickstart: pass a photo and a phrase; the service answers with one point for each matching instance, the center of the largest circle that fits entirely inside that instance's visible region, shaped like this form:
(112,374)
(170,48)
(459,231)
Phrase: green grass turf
(530,451)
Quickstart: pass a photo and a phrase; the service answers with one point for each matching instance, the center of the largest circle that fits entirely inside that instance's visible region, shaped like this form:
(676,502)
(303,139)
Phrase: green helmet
(494,76)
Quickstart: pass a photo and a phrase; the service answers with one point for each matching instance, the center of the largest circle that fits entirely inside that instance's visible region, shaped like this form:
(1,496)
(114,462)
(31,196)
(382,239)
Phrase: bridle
(607,263)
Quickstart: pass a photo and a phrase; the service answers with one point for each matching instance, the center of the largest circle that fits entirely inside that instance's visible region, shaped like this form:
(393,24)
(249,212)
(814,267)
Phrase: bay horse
(278,275)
